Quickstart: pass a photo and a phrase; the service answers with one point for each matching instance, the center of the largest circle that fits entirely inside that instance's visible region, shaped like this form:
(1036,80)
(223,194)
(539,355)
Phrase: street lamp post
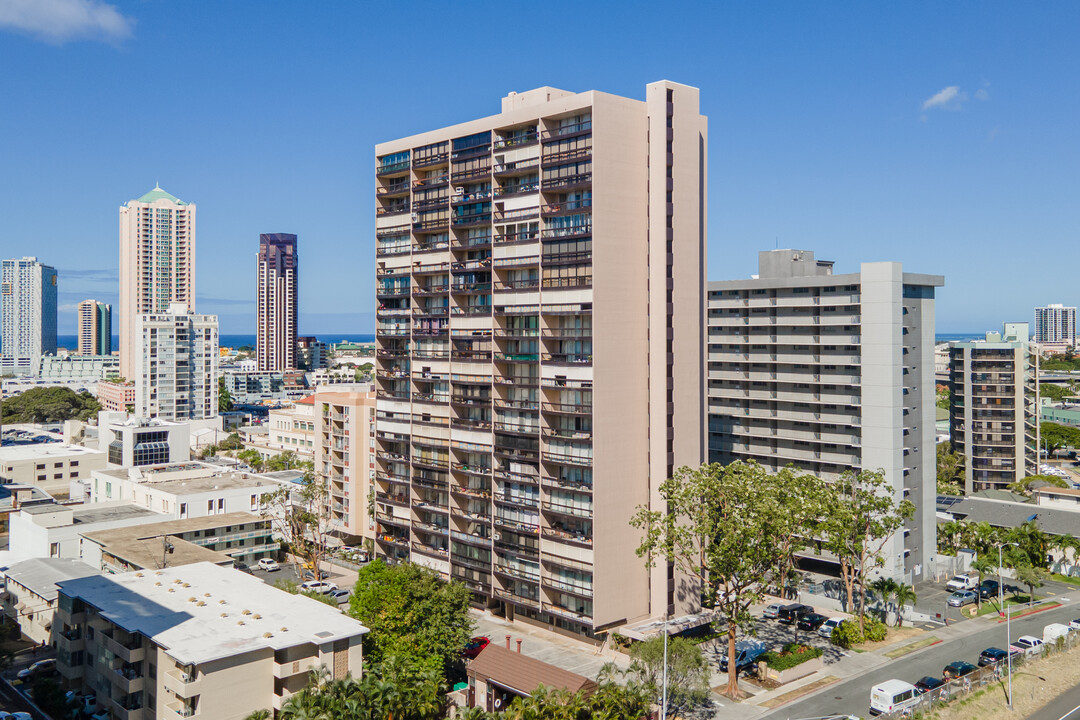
(1008,618)
(663,701)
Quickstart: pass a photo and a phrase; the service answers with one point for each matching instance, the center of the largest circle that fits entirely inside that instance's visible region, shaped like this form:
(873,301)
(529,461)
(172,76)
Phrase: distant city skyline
(869,133)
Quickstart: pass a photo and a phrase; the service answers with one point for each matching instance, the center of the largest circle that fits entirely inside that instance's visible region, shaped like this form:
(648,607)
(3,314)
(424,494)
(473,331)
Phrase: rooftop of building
(158,194)
(172,527)
(40,575)
(522,674)
(14,453)
(156,551)
(1051,490)
(15,496)
(789,267)
(205,612)
(190,477)
(1007,514)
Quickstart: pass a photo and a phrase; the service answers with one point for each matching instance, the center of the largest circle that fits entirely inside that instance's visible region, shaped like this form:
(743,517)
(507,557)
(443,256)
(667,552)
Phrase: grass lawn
(991,607)
(1066,579)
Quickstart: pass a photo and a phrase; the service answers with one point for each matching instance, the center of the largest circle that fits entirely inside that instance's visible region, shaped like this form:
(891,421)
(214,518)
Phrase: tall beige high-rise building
(540,280)
(275,320)
(95,328)
(157,263)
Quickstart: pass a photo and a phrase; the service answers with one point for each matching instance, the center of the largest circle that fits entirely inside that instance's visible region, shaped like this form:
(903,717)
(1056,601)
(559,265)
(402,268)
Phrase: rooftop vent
(200,604)
(268,635)
(257,616)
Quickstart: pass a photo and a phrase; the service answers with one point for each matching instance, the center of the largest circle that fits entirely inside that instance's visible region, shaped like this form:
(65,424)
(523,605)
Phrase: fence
(961,687)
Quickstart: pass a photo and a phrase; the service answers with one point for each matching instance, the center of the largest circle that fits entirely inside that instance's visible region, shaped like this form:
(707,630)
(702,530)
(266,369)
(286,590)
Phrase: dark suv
(993,656)
(988,589)
(794,612)
(812,621)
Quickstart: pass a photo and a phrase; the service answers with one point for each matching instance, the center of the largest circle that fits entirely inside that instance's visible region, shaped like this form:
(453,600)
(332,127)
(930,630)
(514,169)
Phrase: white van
(1053,631)
(892,695)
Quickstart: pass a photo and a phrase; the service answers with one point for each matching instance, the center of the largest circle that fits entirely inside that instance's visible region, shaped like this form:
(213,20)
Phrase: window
(221,505)
(54,550)
(183,510)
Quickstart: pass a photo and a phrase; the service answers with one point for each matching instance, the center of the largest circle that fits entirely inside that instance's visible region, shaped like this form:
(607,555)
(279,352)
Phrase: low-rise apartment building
(50,530)
(198,640)
(49,466)
(184,490)
(116,395)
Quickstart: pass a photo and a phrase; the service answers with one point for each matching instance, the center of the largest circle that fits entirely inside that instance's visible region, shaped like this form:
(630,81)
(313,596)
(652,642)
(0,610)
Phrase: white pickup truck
(962,582)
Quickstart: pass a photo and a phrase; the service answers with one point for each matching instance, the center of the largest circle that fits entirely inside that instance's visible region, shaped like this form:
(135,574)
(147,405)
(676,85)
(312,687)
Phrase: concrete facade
(27,313)
(157,264)
(132,441)
(49,466)
(830,373)
(277,265)
(536,272)
(345,455)
(176,365)
(992,409)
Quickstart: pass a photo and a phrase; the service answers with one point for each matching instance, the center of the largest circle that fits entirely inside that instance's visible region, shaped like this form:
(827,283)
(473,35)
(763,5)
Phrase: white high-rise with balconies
(157,264)
(1055,324)
(539,347)
(176,368)
(27,313)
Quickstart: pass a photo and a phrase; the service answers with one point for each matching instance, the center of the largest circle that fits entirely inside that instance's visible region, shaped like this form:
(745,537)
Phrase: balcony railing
(566,181)
(580,127)
(520,140)
(581,153)
(429,160)
(392,168)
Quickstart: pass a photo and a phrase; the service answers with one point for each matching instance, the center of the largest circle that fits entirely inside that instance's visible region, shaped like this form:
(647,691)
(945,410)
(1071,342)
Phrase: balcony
(566,156)
(440,158)
(515,189)
(564,459)
(566,208)
(394,168)
(398,189)
(386,292)
(130,651)
(471,174)
(568,434)
(569,510)
(517,357)
(432,182)
(518,167)
(394,540)
(519,215)
(521,236)
(472,243)
(518,140)
(567,182)
(462,221)
(296,667)
(392,209)
(431,203)
(183,684)
(585,126)
(472,288)
(572,538)
(568,358)
(431,226)
(431,550)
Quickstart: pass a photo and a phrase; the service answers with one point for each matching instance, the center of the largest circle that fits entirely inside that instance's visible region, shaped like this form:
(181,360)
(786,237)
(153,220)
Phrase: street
(853,696)
(1062,707)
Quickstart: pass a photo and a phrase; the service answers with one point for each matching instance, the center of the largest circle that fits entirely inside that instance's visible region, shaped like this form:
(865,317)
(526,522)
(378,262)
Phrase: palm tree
(984,564)
(904,594)
(884,588)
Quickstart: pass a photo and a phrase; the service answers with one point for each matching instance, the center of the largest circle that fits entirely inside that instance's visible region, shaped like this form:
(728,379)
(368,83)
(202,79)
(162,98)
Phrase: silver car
(773,611)
(962,598)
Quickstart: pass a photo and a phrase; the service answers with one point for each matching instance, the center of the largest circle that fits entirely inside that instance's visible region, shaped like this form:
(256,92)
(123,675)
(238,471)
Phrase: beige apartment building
(196,641)
(157,264)
(95,328)
(993,403)
(49,466)
(345,455)
(830,372)
(539,347)
(176,364)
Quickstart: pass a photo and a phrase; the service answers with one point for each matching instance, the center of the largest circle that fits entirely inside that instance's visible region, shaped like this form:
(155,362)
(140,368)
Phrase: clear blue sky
(942,135)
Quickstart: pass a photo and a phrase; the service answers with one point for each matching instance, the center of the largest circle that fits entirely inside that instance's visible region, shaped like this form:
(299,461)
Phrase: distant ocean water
(957,337)
(72,341)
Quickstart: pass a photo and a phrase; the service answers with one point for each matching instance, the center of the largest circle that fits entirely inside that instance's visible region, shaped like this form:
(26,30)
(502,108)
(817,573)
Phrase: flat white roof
(12,453)
(205,612)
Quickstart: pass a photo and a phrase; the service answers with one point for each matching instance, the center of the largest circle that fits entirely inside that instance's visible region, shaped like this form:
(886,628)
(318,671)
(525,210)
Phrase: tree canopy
(48,404)
(411,613)
(1056,436)
(950,470)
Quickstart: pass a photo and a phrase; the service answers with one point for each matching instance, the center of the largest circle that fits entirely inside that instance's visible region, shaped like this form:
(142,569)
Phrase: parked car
(16,716)
(988,589)
(993,656)
(789,614)
(747,651)
(811,622)
(962,582)
(828,626)
(269,565)
(319,586)
(1075,624)
(772,611)
(1028,644)
(475,645)
(242,567)
(962,598)
(41,667)
(957,669)
(926,683)
(892,696)
(342,596)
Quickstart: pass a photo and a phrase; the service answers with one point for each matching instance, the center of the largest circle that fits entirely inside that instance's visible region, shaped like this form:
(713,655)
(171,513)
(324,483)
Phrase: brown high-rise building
(539,347)
(276,320)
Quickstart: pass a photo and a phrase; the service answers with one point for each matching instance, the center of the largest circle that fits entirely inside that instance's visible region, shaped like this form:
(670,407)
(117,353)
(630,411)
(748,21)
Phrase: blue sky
(942,135)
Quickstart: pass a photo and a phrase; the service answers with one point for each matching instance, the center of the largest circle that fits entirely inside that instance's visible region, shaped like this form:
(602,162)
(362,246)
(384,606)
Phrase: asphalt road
(853,696)
(1063,707)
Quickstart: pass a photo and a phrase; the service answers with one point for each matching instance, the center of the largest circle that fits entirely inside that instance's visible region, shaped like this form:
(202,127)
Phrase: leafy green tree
(300,513)
(883,589)
(1055,392)
(233,442)
(1031,577)
(225,401)
(1056,436)
(943,397)
(687,671)
(48,404)
(411,613)
(253,458)
(721,526)
(287,460)
(1032,547)
(293,588)
(1024,486)
(863,516)
(950,470)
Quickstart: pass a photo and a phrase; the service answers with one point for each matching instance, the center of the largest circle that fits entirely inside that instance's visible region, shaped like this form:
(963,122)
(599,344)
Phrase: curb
(1030,612)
